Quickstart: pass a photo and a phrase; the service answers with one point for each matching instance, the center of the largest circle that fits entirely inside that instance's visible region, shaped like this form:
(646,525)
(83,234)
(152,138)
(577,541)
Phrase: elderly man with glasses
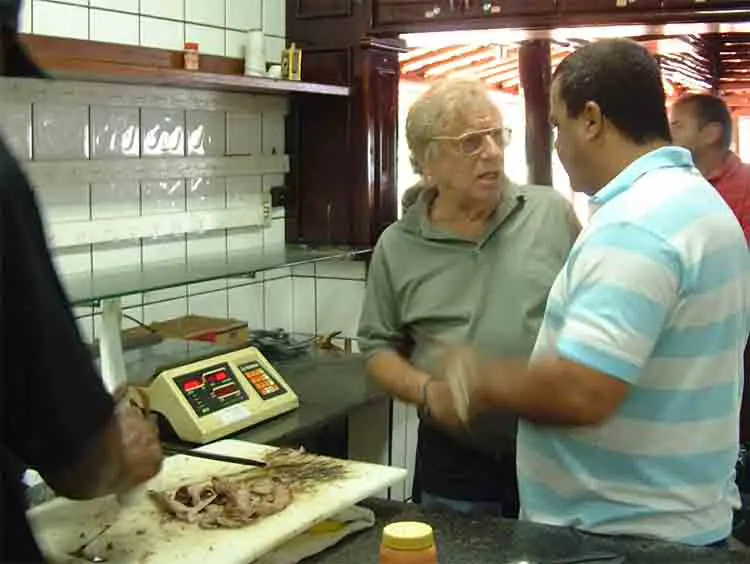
(471,261)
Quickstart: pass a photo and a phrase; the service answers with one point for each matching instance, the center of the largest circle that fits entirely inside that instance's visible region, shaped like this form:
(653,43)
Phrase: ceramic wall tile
(244,191)
(247,304)
(273,133)
(113,27)
(169,9)
(208,12)
(117,5)
(244,15)
(303,306)
(16,129)
(24,19)
(60,20)
(211,244)
(115,199)
(213,304)
(235,44)
(274,46)
(115,132)
(210,40)
(339,303)
(162,132)
(60,132)
(163,196)
(278,298)
(275,234)
(206,133)
(345,269)
(73,261)
(65,202)
(206,193)
(162,34)
(243,134)
(123,256)
(243,238)
(274,17)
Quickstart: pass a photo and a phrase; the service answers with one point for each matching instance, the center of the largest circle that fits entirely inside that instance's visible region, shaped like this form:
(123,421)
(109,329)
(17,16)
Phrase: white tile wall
(219,26)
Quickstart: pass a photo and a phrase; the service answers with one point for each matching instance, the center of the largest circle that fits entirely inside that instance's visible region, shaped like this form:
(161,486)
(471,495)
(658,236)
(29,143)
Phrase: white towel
(320,537)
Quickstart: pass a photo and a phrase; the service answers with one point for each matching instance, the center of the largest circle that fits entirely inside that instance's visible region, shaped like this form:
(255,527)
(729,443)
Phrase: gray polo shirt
(426,284)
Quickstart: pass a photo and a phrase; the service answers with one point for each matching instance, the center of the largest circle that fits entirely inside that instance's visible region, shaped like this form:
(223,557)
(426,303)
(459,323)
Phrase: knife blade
(169,449)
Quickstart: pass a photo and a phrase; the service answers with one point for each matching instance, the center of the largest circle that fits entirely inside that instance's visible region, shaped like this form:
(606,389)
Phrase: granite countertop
(487,540)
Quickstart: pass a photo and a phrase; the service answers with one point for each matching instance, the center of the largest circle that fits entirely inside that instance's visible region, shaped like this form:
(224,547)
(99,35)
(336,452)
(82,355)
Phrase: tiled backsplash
(218,26)
(54,123)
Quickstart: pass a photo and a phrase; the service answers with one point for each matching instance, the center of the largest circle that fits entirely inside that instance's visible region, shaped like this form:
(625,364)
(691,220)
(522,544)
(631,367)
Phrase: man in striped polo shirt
(630,405)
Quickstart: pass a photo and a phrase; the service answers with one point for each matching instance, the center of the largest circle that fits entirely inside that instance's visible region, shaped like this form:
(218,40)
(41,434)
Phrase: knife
(169,449)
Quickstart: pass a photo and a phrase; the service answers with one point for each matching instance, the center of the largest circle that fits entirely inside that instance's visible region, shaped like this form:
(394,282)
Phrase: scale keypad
(261,381)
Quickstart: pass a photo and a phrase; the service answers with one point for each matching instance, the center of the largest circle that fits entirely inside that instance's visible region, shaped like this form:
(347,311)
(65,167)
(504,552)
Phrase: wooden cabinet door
(512,7)
(705,4)
(599,6)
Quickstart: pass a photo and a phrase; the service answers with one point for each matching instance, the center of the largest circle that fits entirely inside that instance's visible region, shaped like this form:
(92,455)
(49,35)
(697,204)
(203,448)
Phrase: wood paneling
(705,4)
(323,8)
(604,6)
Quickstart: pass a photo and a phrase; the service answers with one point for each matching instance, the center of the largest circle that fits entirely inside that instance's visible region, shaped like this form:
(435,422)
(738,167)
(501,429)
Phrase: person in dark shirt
(57,417)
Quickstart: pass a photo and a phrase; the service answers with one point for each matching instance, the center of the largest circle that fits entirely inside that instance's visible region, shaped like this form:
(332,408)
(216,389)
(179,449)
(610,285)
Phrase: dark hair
(710,109)
(624,79)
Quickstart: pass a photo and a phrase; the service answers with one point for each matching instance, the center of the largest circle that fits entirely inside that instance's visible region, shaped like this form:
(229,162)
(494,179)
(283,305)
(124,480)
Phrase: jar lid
(408,535)
(191,46)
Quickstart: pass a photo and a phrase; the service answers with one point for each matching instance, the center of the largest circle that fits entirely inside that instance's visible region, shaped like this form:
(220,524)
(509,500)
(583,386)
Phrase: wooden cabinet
(342,188)
(603,6)
(389,12)
(705,4)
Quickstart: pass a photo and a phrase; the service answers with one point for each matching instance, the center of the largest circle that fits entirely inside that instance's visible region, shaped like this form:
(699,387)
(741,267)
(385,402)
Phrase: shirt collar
(664,157)
(417,217)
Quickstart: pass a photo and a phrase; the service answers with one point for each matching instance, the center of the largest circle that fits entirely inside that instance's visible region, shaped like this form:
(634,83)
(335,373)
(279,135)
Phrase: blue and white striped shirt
(656,293)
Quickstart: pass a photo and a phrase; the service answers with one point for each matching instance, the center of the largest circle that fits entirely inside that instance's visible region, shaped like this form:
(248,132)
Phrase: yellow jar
(408,542)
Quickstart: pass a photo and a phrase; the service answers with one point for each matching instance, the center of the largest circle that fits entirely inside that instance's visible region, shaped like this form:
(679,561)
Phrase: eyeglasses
(471,143)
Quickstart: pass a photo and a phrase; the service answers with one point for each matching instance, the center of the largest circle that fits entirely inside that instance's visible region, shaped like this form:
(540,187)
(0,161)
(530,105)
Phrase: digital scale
(211,397)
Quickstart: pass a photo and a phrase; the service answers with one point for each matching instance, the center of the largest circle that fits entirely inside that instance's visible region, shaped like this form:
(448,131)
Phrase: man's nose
(490,147)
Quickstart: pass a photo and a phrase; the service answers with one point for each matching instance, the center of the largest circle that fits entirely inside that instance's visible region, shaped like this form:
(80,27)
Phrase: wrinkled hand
(460,369)
(142,454)
(441,406)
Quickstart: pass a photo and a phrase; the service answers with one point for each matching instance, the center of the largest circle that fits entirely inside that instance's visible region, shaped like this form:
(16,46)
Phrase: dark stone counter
(487,540)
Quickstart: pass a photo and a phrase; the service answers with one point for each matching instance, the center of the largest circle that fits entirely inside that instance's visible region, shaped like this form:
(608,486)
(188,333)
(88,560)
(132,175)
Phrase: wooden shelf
(74,59)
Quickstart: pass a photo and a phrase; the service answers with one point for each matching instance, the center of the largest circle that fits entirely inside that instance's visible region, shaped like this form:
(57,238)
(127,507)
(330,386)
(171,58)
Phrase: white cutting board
(140,534)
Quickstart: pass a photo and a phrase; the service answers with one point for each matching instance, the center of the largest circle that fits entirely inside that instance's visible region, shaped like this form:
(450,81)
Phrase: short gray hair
(437,110)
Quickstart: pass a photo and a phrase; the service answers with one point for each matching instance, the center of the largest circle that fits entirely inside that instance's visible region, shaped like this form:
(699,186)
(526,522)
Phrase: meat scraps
(237,500)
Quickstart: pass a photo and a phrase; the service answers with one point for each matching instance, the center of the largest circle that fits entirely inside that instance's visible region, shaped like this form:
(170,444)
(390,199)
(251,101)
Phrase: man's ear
(592,120)
(711,133)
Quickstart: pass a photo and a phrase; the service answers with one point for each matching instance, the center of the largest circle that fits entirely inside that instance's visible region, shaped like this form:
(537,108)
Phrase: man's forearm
(395,375)
(549,392)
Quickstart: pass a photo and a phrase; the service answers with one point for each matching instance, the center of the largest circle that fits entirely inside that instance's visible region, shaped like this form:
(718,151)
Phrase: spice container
(291,63)
(192,59)
(408,542)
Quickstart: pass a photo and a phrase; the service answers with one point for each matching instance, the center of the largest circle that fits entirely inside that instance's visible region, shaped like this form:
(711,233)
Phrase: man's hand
(142,454)
(441,407)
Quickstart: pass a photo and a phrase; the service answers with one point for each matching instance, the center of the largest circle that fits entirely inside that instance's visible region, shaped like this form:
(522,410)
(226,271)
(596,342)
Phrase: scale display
(212,397)
(211,389)
(261,381)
